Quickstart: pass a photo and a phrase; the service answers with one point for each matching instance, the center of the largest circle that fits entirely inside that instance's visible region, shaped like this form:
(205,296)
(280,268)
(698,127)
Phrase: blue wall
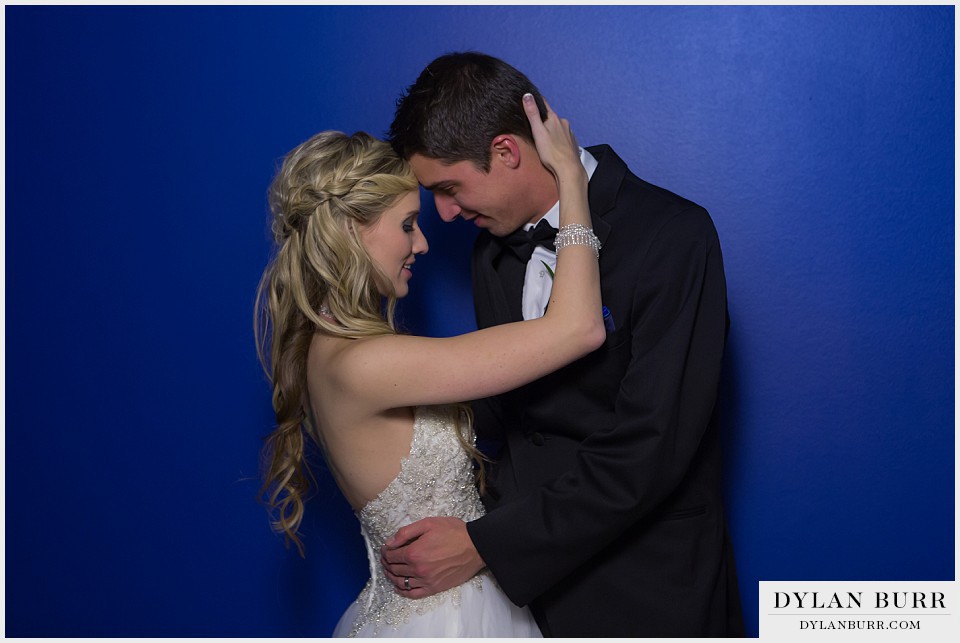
(139,144)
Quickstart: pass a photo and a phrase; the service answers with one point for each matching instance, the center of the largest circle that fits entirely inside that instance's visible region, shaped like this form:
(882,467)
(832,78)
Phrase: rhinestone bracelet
(577,235)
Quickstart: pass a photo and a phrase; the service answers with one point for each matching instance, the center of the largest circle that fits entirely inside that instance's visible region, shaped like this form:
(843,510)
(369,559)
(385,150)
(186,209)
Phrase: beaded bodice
(436,479)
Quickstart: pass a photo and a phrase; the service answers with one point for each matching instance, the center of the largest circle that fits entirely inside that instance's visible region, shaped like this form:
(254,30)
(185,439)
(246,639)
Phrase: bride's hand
(556,144)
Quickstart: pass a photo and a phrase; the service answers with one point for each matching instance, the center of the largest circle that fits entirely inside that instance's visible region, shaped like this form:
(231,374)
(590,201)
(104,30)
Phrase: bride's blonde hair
(325,188)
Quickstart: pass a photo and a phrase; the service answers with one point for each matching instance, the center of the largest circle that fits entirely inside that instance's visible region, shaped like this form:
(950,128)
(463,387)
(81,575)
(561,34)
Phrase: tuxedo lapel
(604,187)
(490,300)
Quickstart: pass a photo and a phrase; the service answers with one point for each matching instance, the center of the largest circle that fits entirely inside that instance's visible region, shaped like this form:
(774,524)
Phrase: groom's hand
(435,554)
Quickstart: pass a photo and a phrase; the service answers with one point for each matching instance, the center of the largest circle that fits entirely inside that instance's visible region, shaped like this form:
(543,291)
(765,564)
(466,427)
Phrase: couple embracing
(601,304)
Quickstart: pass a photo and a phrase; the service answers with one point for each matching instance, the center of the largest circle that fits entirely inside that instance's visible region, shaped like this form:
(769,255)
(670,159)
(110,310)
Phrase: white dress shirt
(537,282)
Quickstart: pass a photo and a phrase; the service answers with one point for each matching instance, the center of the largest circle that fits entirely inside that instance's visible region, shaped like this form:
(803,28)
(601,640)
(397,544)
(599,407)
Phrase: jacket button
(537,439)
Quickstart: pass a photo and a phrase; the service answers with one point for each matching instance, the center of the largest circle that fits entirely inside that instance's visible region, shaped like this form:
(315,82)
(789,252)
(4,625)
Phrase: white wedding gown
(436,479)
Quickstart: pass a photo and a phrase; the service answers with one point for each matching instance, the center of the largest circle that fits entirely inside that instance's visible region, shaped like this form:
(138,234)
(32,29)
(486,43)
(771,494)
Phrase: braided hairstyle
(325,190)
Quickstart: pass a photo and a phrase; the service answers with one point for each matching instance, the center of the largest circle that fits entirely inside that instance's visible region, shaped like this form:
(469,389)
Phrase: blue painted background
(139,145)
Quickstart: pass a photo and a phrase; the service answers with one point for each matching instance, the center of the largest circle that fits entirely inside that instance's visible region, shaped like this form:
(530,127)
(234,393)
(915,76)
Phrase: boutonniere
(608,322)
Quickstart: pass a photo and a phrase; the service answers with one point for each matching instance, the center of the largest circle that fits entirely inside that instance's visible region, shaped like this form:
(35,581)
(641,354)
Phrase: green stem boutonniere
(607,316)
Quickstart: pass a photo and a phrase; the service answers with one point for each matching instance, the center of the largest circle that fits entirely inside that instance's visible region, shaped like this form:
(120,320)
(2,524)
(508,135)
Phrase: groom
(604,508)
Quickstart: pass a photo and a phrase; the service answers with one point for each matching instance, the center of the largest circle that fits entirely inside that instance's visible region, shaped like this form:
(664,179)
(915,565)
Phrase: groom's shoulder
(637,204)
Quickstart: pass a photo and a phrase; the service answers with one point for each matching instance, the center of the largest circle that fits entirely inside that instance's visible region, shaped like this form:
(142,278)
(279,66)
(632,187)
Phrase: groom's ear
(505,149)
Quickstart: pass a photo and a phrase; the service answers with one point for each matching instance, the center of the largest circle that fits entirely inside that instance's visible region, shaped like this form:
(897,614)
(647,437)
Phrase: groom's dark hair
(460,102)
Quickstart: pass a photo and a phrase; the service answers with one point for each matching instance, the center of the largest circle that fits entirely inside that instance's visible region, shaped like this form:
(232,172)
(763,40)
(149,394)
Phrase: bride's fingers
(543,130)
(533,113)
(573,137)
(563,122)
(547,105)
(555,142)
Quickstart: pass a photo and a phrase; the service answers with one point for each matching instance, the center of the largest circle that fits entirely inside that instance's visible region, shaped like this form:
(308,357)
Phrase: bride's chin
(394,292)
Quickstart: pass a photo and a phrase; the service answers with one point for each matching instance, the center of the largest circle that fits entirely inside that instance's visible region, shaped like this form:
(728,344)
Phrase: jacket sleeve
(664,405)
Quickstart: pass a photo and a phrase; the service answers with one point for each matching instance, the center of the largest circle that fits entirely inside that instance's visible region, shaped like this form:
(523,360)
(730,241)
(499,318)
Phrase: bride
(385,407)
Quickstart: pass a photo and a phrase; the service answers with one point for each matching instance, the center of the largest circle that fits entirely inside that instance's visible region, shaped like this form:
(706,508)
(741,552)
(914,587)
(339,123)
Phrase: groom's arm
(623,472)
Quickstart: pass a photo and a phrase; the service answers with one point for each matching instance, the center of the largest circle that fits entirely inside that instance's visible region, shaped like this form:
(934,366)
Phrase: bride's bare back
(362,391)
(362,447)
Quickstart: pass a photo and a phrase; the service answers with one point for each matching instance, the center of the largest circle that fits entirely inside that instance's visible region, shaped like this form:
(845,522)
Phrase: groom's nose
(447,208)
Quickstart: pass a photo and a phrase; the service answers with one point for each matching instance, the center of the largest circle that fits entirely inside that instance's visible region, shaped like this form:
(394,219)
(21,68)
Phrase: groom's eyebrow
(442,185)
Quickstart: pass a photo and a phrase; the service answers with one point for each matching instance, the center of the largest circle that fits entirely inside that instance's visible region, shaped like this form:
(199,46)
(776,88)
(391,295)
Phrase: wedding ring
(406,582)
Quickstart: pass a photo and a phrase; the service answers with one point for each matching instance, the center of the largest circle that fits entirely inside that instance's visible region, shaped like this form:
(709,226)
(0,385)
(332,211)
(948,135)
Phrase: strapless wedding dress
(436,479)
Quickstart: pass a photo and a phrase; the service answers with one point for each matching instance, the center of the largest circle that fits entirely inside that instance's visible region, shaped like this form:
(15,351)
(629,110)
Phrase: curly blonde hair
(325,188)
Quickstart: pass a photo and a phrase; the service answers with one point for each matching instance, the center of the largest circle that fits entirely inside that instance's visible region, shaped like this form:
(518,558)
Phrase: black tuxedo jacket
(604,509)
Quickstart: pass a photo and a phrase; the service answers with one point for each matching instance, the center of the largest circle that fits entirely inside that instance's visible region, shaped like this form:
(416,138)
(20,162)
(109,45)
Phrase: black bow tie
(522,242)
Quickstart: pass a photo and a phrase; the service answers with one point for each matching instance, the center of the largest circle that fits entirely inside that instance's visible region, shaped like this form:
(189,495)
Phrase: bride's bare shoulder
(346,367)
(340,355)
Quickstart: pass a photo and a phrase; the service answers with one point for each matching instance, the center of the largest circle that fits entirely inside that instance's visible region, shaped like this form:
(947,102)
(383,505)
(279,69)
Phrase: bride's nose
(420,245)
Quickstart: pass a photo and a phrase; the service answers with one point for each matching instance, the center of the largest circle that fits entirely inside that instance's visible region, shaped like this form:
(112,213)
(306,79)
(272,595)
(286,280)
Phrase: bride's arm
(394,371)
